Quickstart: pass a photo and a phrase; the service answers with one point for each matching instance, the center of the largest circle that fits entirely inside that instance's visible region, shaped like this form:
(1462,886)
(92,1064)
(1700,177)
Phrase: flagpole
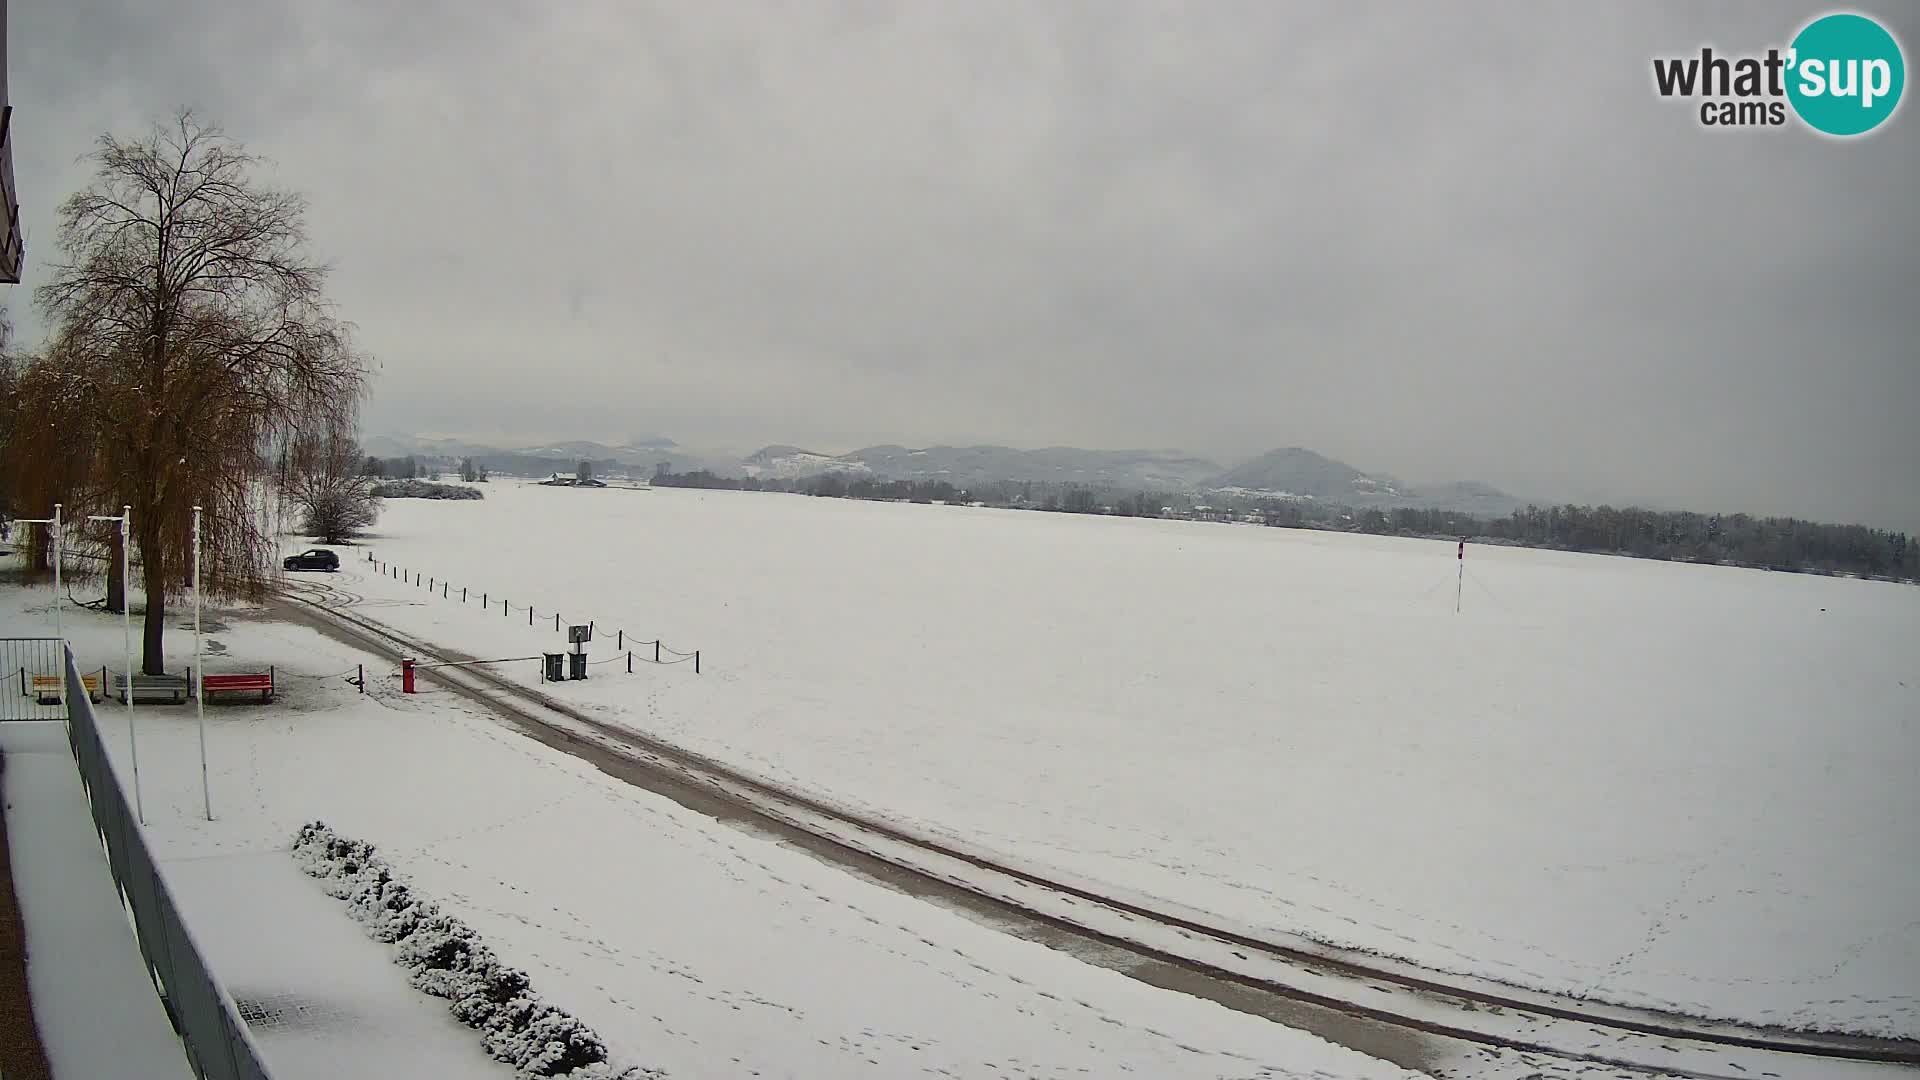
(58,630)
(126,636)
(199,677)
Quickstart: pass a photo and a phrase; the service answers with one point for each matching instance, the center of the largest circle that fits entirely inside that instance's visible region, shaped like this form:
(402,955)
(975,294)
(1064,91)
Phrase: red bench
(260,681)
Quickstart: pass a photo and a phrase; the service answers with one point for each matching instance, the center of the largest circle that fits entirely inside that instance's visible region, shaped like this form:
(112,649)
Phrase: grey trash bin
(576,665)
(555,669)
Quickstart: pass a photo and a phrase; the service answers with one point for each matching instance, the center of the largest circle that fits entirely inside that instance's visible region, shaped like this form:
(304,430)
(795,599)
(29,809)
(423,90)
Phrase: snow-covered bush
(422,489)
(446,958)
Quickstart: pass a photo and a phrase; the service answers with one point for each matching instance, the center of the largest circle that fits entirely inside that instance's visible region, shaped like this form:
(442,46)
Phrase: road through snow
(1285,732)
(1576,1034)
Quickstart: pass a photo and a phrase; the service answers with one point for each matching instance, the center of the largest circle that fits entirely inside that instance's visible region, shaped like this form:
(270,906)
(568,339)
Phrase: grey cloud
(1439,241)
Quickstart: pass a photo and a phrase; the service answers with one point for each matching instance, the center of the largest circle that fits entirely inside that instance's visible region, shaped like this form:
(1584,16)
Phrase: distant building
(571,480)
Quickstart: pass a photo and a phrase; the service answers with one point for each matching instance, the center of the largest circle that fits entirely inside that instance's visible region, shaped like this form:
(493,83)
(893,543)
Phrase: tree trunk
(153,659)
(116,582)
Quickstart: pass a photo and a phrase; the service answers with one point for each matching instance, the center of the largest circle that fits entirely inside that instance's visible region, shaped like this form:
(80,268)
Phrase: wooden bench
(172,689)
(46,688)
(261,681)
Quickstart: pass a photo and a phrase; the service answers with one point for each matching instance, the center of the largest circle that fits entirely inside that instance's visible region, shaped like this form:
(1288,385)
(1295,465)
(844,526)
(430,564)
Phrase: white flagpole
(59,601)
(199,677)
(58,630)
(126,635)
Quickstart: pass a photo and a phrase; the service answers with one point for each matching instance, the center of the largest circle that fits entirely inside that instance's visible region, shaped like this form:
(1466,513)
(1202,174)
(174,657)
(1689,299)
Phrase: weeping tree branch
(194,343)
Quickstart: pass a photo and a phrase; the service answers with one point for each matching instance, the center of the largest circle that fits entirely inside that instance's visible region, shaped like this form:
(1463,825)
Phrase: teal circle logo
(1845,74)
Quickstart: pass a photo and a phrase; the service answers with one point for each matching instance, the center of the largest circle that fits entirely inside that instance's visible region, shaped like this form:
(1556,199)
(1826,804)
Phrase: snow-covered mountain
(792,463)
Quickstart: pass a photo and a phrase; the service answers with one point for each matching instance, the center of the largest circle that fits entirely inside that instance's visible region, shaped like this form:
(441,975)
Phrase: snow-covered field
(688,944)
(1680,786)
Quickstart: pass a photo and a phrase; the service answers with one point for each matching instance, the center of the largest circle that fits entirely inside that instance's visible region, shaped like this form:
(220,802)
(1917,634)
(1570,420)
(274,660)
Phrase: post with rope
(1460,577)
(200,676)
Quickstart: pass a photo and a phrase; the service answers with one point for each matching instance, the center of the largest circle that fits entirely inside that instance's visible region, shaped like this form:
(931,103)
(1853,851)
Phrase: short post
(629,661)
(463,594)
(362,680)
(556,621)
(406,675)
(619,639)
(656,650)
(696,661)
(529,614)
(443,591)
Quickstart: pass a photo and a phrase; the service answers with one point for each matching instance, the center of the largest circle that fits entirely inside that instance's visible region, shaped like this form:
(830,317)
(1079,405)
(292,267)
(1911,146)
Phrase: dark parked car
(316,559)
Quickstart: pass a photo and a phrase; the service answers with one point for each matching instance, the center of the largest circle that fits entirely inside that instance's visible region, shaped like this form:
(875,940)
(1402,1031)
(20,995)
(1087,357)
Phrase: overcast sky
(1438,241)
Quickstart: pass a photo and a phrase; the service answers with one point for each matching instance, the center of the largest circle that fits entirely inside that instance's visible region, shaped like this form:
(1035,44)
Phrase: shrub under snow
(445,958)
(424,489)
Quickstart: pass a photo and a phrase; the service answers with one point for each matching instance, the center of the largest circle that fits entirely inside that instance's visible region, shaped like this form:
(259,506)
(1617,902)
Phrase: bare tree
(189,308)
(325,479)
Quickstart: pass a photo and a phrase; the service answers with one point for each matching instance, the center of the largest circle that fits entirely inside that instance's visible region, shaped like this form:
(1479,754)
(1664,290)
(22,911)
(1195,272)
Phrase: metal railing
(22,661)
(218,1044)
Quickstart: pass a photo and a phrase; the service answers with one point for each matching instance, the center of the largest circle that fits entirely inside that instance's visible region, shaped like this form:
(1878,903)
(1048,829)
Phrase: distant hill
(1289,473)
(792,463)
(965,465)
(1299,473)
(639,457)
(1302,474)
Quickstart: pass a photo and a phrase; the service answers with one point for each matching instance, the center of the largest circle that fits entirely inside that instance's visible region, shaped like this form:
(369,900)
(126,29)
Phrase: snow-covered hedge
(445,958)
(425,489)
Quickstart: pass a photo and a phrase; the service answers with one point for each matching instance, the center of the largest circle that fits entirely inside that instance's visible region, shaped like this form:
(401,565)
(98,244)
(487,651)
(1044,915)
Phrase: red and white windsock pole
(1460,576)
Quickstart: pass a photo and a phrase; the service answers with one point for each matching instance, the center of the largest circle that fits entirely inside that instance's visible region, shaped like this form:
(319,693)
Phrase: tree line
(1773,543)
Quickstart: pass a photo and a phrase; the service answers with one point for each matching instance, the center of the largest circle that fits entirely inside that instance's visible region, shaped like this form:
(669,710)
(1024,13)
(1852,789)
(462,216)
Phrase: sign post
(578,636)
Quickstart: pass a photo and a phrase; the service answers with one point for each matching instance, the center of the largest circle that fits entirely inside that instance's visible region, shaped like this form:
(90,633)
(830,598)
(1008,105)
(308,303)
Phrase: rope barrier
(471,663)
(533,618)
(303,675)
